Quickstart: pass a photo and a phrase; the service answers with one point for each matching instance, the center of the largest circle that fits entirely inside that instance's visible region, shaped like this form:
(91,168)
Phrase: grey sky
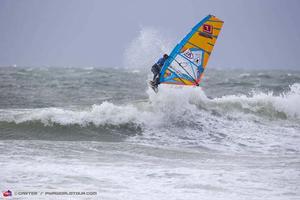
(256,33)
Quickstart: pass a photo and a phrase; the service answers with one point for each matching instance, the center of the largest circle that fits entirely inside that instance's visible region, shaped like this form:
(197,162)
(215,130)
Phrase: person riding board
(156,69)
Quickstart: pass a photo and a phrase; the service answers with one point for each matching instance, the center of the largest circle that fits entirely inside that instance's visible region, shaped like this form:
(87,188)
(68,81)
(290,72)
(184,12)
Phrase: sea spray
(146,48)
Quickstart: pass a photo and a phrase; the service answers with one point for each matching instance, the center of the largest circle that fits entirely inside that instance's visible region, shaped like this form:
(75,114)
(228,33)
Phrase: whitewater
(103,130)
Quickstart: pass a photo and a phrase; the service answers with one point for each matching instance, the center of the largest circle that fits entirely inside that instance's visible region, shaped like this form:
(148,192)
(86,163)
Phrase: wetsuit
(156,70)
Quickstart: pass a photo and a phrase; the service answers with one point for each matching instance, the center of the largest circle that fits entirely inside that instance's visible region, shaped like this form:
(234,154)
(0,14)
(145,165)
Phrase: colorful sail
(187,61)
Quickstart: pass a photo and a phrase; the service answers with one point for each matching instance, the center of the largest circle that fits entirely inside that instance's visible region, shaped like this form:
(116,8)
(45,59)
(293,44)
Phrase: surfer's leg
(156,80)
(155,70)
(155,77)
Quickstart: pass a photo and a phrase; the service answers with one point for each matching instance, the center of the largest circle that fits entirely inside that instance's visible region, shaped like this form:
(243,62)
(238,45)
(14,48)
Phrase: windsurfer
(156,69)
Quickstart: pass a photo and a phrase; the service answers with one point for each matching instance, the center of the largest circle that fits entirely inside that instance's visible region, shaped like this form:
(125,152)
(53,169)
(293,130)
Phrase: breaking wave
(174,116)
(170,101)
(106,113)
(266,104)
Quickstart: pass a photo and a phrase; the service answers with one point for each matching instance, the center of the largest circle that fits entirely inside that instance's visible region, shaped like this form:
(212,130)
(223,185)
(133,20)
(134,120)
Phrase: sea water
(103,130)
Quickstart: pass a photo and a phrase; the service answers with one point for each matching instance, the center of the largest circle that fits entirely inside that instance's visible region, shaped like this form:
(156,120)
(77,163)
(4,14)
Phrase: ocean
(102,130)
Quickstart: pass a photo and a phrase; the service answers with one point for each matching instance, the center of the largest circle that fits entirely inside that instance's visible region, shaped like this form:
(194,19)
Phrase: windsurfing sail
(187,61)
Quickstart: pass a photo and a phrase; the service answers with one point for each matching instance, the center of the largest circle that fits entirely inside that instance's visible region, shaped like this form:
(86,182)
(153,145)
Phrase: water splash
(144,50)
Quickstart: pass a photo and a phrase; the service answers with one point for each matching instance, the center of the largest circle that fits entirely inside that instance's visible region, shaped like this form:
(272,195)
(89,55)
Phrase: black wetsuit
(156,70)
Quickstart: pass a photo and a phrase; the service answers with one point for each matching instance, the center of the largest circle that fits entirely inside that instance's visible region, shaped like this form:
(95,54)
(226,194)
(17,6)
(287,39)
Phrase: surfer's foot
(152,83)
(154,86)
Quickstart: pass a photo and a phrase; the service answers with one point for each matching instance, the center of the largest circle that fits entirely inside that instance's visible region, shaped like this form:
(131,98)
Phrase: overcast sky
(256,33)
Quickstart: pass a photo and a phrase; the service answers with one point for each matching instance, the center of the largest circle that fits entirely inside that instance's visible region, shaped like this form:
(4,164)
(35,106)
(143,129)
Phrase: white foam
(286,103)
(185,116)
(170,101)
(106,113)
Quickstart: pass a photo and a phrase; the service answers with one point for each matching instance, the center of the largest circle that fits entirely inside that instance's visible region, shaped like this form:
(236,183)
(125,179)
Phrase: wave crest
(169,105)
(106,113)
(282,106)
